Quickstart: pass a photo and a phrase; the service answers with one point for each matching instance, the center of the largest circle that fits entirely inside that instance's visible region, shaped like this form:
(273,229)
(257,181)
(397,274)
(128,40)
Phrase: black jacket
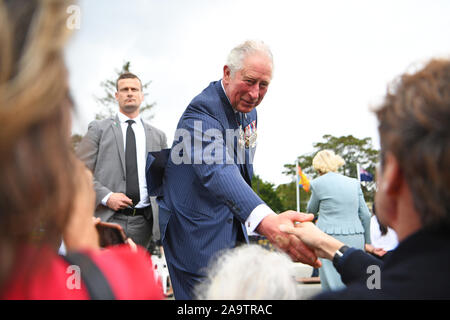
(419,268)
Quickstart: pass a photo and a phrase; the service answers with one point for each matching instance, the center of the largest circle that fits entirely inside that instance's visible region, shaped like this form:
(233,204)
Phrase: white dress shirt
(141,146)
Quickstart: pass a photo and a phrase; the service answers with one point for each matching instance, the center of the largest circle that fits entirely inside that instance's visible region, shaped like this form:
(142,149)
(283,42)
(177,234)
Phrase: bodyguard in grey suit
(104,151)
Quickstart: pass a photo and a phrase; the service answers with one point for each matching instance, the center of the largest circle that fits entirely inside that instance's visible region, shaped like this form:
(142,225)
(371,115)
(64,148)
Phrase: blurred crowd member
(413,197)
(43,185)
(249,272)
(383,237)
(343,213)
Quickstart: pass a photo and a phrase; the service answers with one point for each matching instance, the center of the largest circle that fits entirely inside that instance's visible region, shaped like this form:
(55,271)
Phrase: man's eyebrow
(126,88)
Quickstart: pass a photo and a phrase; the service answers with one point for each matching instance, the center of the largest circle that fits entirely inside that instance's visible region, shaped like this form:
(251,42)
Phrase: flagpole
(297,187)
(358,172)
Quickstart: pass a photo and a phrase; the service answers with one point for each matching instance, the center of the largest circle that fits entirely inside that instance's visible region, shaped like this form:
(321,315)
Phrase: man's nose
(254,92)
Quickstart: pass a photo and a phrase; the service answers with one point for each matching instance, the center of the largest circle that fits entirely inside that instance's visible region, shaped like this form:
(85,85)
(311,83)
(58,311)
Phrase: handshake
(294,233)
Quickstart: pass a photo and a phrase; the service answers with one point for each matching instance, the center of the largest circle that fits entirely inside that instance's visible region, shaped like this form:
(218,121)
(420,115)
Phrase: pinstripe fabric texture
(205,203)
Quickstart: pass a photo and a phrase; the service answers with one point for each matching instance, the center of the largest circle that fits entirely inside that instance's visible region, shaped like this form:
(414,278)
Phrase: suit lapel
(232,123)
(148,137)
(248,168)
(117,130)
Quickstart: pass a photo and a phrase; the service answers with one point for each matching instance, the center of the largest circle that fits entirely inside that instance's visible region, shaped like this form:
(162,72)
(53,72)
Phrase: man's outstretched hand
(292,245)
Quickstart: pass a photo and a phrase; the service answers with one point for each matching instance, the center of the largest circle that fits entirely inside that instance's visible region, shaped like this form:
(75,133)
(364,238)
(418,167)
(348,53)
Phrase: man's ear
(117,95)
(392,175)
(226,74)
(388,185)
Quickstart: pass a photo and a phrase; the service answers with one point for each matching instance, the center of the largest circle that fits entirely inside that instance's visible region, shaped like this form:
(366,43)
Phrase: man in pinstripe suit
(208,204)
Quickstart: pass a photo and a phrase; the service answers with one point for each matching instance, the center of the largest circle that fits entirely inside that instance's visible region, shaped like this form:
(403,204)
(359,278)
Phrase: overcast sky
(333,60)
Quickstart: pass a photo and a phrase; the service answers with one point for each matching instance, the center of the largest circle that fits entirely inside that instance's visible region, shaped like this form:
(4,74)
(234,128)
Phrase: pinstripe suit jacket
(207,198)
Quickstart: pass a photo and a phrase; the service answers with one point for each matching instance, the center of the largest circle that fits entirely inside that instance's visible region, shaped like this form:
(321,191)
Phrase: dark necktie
(132,182)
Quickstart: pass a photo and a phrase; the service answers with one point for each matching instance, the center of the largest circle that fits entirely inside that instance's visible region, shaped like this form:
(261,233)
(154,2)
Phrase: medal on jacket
(241,140)
(247,136)
(250,135)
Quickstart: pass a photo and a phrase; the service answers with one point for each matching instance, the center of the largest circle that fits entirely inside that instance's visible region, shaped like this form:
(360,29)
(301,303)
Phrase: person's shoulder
(208,97)
(204,107)
(134,269)
(338,177)
(211,89)
(322,179)
(153,128)
(349,180)
(101,123)
(30,276)
(120,252)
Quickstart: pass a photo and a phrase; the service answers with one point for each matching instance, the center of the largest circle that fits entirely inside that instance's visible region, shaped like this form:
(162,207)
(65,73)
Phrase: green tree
(108,104)
(352,150)
(266,191)
(288,196)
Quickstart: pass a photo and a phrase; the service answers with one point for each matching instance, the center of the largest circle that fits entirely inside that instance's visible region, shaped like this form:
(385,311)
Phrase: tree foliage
(266,191)
(281,198)
(288,196)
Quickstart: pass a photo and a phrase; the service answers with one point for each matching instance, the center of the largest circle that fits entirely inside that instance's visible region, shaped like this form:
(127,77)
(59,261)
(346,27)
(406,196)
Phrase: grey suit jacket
(102,150)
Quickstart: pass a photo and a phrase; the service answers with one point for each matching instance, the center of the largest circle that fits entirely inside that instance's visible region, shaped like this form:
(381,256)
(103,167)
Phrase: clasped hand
(292,245)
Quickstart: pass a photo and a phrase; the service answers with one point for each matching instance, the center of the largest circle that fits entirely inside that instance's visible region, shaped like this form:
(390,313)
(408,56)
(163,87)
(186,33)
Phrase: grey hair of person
(249,272)
(237,55)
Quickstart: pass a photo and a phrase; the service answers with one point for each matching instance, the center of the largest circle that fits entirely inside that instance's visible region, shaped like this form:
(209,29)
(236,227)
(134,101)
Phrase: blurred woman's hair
(414,125)
(36,166)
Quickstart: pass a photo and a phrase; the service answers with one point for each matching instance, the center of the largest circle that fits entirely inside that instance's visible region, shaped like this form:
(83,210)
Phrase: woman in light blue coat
(343,213)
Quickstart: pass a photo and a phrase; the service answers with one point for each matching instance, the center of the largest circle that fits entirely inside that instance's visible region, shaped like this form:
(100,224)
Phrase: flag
(365,175)
(302,179)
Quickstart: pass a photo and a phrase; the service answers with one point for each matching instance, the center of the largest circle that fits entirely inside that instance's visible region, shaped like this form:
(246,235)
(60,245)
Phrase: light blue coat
(340,203)
(343,213)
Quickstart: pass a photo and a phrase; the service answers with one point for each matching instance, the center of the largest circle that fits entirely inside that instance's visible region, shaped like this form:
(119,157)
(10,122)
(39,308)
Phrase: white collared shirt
(261,211)
(141,148)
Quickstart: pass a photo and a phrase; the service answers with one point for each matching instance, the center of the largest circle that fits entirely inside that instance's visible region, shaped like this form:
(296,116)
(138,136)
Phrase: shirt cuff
(255,217)
(105,199)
